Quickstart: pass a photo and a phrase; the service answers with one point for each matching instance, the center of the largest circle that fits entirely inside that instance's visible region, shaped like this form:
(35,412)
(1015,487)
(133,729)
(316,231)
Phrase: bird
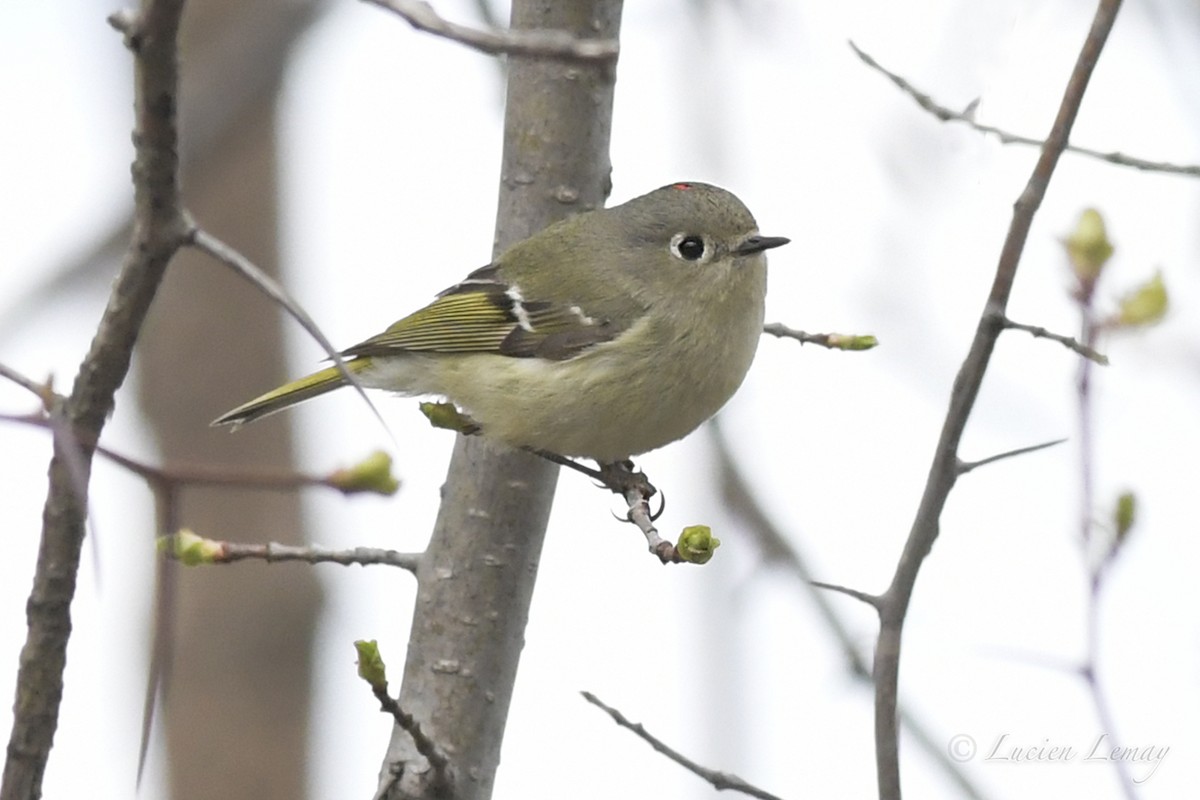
(606,335)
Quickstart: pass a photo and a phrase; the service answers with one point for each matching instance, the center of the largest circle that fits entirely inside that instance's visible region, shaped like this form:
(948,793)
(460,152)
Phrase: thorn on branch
(539,43)
(966,466)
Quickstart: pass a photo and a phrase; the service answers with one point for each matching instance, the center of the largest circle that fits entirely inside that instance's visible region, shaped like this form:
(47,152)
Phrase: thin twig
(872,600)
(272,552)
(1099,702)
(966,466)
(544,44)
(943,472)
(214,247)
(162,649)
(426,746)
(966,117)
(179,475)
(831,341)
(1090,327)
(1069,342)
(719,780)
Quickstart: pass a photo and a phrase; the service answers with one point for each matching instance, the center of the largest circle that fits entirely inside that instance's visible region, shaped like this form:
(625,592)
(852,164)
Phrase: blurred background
(359,160)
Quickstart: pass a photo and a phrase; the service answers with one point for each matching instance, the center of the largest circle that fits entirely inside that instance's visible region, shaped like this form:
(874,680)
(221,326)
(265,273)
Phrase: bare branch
(373,670)
(966,466)
(944,470)
(1096,692)
(1070,343)
(370,475)
(719,780)
(873,600)
(541,43)
(425,746)
(966,117)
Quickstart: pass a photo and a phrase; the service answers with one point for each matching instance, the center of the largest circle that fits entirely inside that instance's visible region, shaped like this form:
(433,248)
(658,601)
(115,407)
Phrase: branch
(372,669)
(966,466)
(872,600)
(159,230)
(371,474)
(696,543)
(966,117)
(539,43)
(945,467)
(406,722)
(1096,692)
(1069,342)
(195,550)
(637,490)
(719,780)
(1085,295)
(245,268)
(832,341)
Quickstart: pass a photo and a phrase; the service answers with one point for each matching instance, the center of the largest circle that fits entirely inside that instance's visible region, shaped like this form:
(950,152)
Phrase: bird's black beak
(756,244)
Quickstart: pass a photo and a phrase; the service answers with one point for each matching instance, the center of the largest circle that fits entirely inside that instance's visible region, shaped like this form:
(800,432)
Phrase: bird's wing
(486,314)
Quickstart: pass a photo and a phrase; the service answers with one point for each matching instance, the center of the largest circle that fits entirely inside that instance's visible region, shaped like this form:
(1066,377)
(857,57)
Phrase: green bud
(1088,247)
(372,474)
(191,550)
(447,417)
(1124,516)
(1145,305)
(370,663)
(696,544)
(841,341)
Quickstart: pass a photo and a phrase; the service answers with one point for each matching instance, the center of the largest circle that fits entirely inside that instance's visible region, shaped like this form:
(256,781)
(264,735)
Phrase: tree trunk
(477,576)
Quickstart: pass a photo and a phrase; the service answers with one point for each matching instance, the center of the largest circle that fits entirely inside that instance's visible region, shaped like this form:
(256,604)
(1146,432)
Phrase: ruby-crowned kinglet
(605,335)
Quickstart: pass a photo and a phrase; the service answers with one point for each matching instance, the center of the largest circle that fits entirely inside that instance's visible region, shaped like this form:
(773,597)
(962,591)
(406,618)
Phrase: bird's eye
(689,247)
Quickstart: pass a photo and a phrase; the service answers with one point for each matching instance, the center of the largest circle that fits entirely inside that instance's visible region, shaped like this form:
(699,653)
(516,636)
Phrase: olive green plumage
(605,335)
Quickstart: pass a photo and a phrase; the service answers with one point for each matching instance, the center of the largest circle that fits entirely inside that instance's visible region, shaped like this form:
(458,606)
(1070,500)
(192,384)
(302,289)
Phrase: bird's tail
(290,394)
